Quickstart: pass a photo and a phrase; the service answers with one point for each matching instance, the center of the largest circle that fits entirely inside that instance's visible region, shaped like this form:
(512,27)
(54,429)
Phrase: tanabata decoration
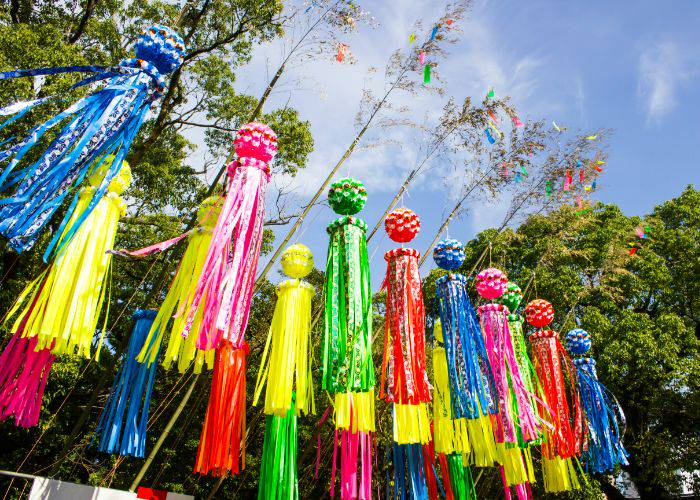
(489,136)
(101,124)
(450,436)
(347,370)
(61,308)
(171,315)
(514,401)
(472,390)
(518,470)
(404,379)
(517,122)
(604,417)
(426,73)
(286,365)
(560,404)
(122,425)
(225,288)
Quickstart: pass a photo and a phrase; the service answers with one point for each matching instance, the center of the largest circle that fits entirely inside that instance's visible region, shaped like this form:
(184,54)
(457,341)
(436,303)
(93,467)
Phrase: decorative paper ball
(256,140)
(449,254)
(162,47)
(297,261)
(347,196)
(539,313)
(208,212)
(491,283)
(578,341)
(402,225)
(512,297)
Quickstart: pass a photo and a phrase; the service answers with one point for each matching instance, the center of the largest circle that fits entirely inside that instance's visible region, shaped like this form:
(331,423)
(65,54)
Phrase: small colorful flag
(426,73)
(434,33)
(422,57)
(517,122)
(411,38)
(341,52)
(489,136)
(548,188)
(592,137)
(491,94)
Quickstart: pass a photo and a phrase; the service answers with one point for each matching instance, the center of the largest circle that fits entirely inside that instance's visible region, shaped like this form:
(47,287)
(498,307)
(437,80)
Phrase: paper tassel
(411,424)
(514,403)
(225,285)
(559,474)
(403,368)
(288,368)
(100,124)
(278,474)
(122,425)
(62,306)
(222,441)
(23,375)
(183,350)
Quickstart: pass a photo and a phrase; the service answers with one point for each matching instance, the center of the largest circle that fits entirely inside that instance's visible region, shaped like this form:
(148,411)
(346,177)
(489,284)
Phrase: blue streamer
(100,124)
(489,136)
(605,448)
(472,386)
(122,425)
(409,472)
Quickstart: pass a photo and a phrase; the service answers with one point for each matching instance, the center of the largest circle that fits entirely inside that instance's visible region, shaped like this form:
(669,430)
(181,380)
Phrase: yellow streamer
(287,348)
(411,424)
(66,299)
(517,464)
(559,474)
(355,407)
(177,301)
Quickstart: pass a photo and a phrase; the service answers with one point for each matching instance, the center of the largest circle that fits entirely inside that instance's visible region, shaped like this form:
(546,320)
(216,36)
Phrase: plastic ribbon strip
(409,472)
(278,474)
(605,448)
(514,401)
(101,124)
(404,366)
(222,441)
(122,424)
(225,285)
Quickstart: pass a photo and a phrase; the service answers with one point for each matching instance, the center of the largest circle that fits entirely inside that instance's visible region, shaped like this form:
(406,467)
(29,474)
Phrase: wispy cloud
(664,68)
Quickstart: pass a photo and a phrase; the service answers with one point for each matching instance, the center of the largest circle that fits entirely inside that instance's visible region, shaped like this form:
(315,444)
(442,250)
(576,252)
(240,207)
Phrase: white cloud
(664,68)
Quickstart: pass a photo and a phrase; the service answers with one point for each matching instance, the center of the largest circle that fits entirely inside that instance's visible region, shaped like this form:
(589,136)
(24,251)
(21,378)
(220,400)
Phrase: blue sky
(630,66)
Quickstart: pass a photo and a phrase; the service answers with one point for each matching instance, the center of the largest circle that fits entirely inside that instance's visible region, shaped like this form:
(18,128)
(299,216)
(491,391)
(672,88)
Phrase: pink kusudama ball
(491,283)
(256,140)
(539,313)
(402,225)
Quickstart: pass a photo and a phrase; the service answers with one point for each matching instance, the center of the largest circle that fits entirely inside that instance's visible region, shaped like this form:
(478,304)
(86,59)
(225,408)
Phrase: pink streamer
(23,376)
(355,449)
(499,345)
(158,247)
(226,281)
(506,489)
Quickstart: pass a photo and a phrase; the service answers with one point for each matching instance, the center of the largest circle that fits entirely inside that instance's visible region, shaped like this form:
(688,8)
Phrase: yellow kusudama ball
(297,261)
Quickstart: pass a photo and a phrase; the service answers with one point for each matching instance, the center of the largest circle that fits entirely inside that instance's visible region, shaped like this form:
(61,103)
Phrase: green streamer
(426,73)
(461,478)
(347,341)
(278,474)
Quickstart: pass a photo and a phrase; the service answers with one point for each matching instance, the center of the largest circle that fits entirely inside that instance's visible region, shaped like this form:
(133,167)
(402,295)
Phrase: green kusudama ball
(347,196)
(512,297)
(297,261)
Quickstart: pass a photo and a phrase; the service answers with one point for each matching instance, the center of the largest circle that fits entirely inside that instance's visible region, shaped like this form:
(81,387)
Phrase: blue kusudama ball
(449,254)
(162,47)
(578,341)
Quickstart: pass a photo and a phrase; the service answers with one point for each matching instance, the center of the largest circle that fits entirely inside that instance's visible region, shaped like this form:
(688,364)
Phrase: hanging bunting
(61,308)
(472,389)
(604,417)
(101,124)
(286,365)
(225,287)
(122,425)
(560,405)
(347,370)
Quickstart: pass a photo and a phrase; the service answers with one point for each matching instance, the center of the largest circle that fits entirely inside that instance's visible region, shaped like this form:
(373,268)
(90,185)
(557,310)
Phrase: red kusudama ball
(539,313)
(402,225)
